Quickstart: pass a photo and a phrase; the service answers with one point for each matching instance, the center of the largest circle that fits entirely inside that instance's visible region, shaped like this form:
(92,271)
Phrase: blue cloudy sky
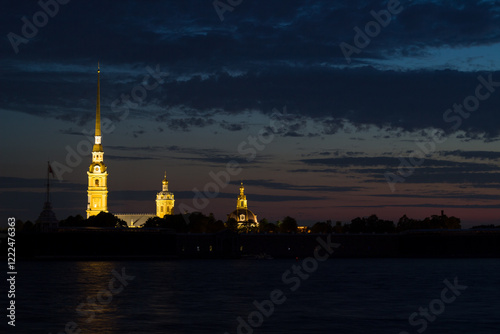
(416,104)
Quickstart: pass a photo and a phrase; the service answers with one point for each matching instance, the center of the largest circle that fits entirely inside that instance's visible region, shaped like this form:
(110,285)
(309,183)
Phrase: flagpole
(48,179)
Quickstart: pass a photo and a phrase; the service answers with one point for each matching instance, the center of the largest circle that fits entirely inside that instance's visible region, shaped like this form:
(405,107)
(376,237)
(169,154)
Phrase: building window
(97,182)
(161,209)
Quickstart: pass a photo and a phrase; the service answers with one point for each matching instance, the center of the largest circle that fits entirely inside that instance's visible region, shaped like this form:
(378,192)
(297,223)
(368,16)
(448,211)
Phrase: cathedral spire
(97,143)
(242,199)
(98,107)
(165,183)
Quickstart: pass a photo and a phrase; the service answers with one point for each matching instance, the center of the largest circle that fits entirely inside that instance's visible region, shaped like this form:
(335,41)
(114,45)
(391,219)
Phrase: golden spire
(164,183)
(242,199)
(97,143)
(98,107)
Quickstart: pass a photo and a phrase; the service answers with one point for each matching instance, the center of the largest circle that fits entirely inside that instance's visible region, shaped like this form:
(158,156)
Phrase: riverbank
(96,244)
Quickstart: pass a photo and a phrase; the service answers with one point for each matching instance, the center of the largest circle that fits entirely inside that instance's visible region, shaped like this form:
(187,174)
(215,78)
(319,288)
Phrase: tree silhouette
(232,224)
(322,227)
(371,224)
(73,221)
(105,219)
(174,222)
(288,225)
(433,222)
(215,226)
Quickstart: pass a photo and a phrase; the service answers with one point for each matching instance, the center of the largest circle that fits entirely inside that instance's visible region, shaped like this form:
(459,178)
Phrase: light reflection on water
(342,296)
(96,313)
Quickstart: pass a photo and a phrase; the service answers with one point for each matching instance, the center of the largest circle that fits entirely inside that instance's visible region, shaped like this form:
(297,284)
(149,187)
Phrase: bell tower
(164,200)
(242,199)
(97,174)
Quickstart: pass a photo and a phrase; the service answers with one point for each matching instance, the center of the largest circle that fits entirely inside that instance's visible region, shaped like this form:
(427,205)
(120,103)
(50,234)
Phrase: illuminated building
(98,179)
(97,173)
(164,200)
(242,214)
(164,206)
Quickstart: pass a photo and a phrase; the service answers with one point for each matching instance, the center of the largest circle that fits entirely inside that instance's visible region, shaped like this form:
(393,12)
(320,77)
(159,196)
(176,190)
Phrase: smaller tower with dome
(164,200)
(242,214)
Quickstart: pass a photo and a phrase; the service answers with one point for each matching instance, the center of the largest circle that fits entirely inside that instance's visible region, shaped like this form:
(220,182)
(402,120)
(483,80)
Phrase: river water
(259,296)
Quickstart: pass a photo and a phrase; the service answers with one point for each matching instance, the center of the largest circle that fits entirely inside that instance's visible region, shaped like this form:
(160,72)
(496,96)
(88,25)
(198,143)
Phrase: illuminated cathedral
(97,191)
(243,214)
(97,174)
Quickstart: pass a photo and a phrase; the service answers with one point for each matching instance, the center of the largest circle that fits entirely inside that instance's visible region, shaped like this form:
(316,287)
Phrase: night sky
(407,123)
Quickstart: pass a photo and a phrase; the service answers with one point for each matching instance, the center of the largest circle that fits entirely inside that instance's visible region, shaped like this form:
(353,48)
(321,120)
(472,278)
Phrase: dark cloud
(186,124)
(432,171)
(137,133)
(146,195)
(464,196)
(335,153)
(284,198)
(406,101)
(251,61)
(267,183)
(396,161)
(352,161)
(231,126)
(481,155)
(212,156)
(72,132)
(463,177)
(428,205)
(7,182)
(125,158)
(222,159)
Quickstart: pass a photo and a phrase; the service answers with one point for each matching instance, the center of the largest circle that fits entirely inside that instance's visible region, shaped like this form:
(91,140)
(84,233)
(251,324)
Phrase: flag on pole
(50,170)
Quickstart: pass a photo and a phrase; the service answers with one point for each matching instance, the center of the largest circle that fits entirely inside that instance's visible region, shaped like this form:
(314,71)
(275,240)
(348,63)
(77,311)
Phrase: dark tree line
(197,222)
(373,224)
(103,219)
(432,222)
(490,226)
